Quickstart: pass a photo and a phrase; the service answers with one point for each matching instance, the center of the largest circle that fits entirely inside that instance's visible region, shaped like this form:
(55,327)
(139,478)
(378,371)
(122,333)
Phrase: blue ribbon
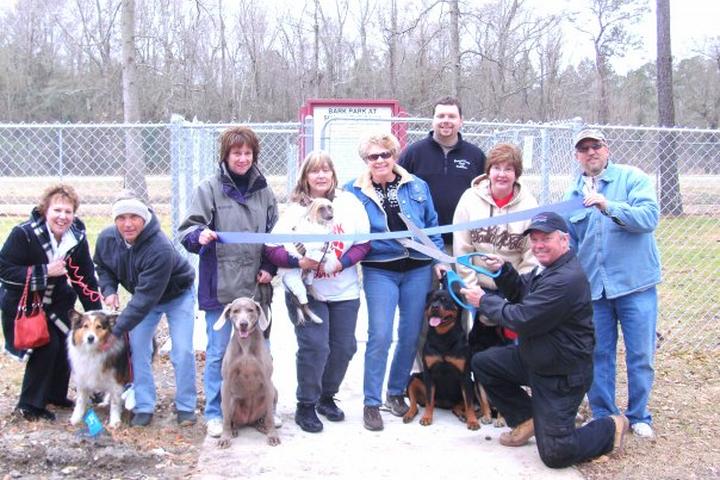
(251,237)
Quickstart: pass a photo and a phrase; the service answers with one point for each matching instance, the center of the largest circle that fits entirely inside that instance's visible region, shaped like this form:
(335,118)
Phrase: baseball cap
(547,222)
(593,133)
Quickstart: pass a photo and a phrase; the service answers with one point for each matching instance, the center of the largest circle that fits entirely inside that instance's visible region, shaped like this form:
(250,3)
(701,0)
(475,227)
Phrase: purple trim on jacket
(281,258)
(208,265)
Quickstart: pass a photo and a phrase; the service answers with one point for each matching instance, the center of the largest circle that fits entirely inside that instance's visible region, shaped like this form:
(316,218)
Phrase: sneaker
(327,406)
(307,419)
(141,419)
(518,436)
(643,430)
(396,405)
(621,427)
(214,427)
(372,419)
(185,419)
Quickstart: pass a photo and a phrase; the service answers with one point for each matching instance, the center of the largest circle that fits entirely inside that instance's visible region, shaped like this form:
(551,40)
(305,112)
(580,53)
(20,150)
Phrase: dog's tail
(310,315)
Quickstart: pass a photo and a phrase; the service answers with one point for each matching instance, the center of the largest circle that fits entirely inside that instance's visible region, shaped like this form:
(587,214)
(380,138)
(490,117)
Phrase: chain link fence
(166,161)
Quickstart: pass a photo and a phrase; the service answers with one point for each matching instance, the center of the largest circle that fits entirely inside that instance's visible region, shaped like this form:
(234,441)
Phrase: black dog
(445,381)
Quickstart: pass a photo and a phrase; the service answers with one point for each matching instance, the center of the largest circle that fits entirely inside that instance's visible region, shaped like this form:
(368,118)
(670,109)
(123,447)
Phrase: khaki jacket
(504,239)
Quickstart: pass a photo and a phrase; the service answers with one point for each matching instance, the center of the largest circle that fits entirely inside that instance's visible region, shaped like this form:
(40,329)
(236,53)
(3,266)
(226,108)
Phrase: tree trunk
(455,47)
(316,50)
(603,106)
(134,160)
(392,47)
(670,198)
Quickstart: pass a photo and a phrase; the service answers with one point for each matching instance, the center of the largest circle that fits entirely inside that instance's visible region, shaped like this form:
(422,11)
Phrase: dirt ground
(684,405)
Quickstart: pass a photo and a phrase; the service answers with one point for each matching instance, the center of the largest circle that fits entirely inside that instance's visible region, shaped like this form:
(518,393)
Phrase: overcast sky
(692,22)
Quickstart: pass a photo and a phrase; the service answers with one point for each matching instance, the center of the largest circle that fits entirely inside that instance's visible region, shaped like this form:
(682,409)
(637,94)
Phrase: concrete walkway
(445,449)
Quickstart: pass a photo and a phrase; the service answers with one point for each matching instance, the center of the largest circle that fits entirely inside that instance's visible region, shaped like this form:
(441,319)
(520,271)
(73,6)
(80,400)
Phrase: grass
(690,255)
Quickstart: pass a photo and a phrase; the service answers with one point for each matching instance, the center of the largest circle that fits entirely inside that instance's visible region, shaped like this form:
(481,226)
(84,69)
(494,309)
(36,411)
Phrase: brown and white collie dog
(98,363)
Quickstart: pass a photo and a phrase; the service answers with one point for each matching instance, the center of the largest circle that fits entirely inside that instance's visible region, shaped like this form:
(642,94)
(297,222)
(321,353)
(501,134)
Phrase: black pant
(47,373)
(553,405)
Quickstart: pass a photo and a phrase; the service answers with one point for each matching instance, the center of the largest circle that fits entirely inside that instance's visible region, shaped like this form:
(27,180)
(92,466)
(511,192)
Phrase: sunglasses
(373,157)
(587,148)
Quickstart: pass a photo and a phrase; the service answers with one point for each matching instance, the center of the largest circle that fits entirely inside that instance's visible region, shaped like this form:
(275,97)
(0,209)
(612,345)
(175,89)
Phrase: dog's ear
(75,318)
(263,321)
(220,323)
(429,296)
(112,318)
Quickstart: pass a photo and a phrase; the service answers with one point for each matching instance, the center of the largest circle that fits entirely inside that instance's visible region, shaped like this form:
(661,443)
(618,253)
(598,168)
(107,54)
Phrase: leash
(74,271)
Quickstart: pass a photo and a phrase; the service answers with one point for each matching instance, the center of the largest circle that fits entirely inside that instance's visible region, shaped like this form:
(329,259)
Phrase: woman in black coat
(54,244)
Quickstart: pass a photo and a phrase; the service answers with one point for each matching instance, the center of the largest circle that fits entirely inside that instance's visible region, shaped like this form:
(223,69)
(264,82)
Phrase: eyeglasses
(374,157)
(587,148)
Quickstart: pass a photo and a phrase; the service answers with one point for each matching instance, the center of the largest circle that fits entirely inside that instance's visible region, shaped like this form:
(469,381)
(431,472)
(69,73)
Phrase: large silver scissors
(429,248)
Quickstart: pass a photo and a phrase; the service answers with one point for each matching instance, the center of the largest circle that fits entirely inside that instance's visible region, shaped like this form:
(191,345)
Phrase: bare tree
(505,36)
(611,38)
(134,160)
(670,199)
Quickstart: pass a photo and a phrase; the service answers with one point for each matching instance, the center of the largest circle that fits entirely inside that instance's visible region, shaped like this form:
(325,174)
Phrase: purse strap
(23,299)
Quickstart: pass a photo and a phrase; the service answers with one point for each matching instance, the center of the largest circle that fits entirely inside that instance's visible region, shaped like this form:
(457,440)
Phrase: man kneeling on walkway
(551,311)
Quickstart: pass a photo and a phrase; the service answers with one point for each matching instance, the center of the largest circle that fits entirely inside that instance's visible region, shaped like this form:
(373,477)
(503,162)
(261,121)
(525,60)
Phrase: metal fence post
(177,171)
(308,135)
(544,168)
(61,160)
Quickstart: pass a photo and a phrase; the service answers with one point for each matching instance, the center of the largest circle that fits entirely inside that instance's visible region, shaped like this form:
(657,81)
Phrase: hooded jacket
(229,270)
(506,239)
(150,269)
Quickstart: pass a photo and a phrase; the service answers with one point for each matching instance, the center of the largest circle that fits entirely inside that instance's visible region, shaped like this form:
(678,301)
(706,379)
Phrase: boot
(327,406)
(307,419)
(519,435)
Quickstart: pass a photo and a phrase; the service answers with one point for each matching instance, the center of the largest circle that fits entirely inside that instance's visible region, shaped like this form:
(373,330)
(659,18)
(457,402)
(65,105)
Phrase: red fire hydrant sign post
(337,126)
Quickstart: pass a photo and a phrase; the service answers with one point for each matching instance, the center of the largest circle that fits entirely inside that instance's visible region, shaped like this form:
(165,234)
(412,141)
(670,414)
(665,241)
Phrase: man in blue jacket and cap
(615,242)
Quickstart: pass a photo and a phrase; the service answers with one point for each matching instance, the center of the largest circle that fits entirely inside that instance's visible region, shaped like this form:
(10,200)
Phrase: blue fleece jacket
(617,248)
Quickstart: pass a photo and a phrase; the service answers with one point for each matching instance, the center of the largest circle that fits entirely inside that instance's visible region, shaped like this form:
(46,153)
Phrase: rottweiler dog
(445,380)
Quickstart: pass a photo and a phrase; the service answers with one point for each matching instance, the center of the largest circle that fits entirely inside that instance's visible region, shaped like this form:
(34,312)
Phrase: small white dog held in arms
(318,220)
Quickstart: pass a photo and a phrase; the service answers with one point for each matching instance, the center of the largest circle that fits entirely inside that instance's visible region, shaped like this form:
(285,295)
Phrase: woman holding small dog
(497,192)
(51,243)
(237,198)
(393,276)
(324,349)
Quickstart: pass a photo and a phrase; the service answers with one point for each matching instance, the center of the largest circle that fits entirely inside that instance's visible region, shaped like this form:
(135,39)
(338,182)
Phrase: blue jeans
(180,313)
(217,343)
(637,315)
(325,349)
(385,291)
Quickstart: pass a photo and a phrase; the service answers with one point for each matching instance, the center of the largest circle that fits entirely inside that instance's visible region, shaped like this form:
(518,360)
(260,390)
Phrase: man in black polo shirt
(445,161)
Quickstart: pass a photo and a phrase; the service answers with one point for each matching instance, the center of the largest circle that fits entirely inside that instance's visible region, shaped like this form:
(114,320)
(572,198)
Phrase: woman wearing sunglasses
(393,276)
